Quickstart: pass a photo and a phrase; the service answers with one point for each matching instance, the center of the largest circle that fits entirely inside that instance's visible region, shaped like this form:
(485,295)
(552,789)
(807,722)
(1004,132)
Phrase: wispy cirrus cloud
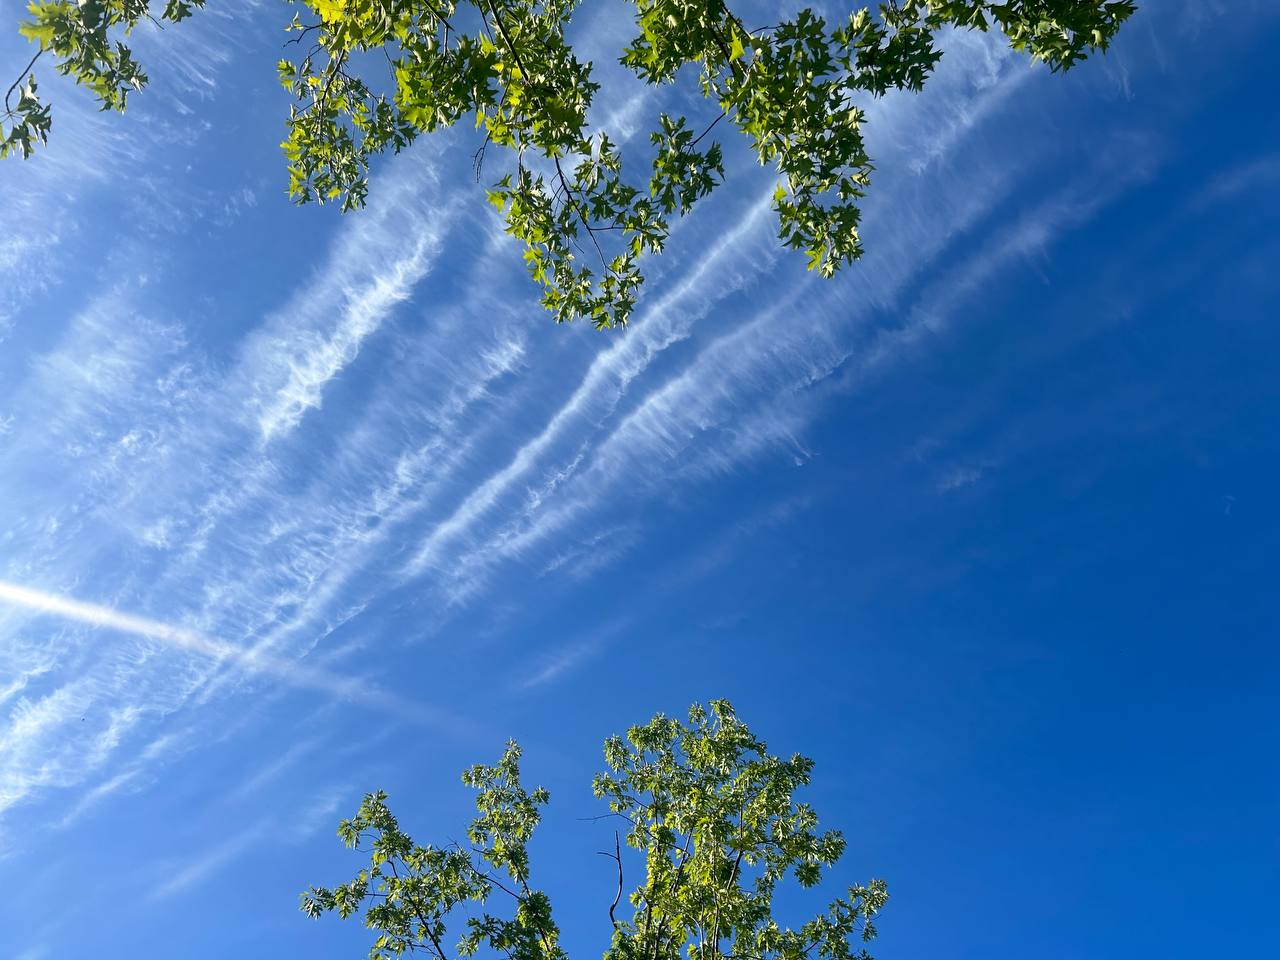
(366,438)
(730,400)
(269,550)
(184,875)
(104,427)
(311,814)
(293,446)
(373,269)
(358,690)
(664,323)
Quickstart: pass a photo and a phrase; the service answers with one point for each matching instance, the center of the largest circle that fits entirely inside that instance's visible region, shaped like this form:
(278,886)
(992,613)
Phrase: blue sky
(987,525)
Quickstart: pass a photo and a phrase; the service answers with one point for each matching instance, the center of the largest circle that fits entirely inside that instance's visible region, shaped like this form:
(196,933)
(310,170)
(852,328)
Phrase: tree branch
(710,127)
(424,926)
(302,33)
(675,885)
(26,72)
(581,213)
(616,855)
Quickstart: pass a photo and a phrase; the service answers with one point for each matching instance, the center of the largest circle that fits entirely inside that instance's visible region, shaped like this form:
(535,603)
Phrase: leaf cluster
(373,75)
(711,816)
(408,891)
(83,39)
(715,817)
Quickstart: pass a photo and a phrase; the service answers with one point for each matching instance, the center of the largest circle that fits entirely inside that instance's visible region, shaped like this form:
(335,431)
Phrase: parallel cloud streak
(289,672)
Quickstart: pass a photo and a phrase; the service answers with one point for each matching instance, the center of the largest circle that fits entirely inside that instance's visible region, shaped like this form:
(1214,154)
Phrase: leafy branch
(791,88)
(711,813)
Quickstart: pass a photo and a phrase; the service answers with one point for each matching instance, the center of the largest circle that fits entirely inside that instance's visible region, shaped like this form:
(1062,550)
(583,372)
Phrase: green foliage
(708,810)
(792,88)
(408,891)
(80,36)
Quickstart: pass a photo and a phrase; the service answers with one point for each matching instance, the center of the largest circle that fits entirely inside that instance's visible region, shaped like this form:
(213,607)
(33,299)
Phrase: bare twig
(616,855)
(302,33)
(710,127)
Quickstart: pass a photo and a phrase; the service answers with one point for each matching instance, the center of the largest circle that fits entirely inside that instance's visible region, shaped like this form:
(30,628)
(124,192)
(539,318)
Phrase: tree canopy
(795,89)
(709,812)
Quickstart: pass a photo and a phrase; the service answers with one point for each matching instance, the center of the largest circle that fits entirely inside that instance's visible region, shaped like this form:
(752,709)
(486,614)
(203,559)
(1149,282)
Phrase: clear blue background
(987,526)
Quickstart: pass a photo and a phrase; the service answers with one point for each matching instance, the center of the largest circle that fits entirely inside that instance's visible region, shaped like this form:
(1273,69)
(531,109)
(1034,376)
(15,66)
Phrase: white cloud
(141,422)
(272,770)
(101,792)
(958,477)
(317,813)
(291,673)
(194,872)
(747,387)
(379,261)
(312,814)
(659,326)
(215,484)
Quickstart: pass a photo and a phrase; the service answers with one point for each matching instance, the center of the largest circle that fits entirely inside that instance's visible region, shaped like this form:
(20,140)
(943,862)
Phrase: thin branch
(616,855)
(715,927)
(710,127)
(733,64)
(542,934)
(322,100)
(579,209)
(485,874)
(425,927)
(606,816)
(497,22)
(435,12)
(302,33)
(26,72)
(477,159)
(675,885)
(524,885)
(581,212)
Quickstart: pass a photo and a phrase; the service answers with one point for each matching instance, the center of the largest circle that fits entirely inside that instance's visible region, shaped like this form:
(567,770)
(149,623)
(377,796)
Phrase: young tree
(711,813)
(793,88)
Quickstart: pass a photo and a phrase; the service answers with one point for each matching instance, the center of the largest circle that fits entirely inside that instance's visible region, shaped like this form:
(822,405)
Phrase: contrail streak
(292,673)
